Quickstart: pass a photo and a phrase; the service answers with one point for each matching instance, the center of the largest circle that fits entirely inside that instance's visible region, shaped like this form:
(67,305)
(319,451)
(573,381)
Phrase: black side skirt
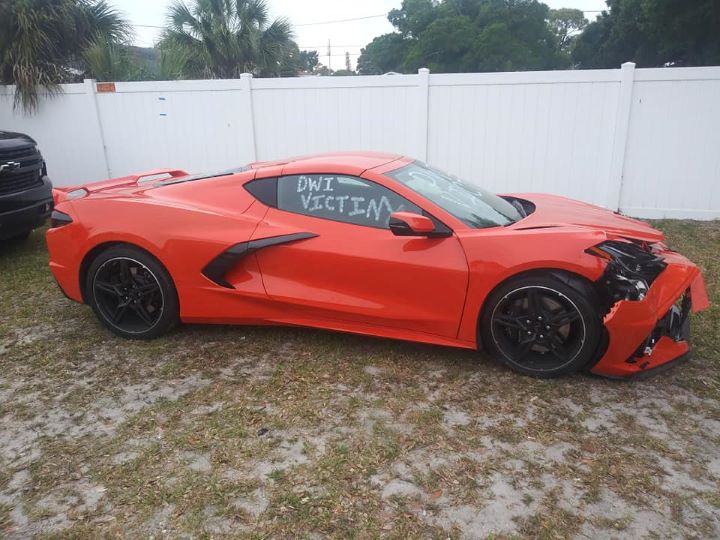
(220,265)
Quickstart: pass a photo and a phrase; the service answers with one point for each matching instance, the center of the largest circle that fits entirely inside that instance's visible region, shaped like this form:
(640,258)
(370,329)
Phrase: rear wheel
(132,293)
(542,325)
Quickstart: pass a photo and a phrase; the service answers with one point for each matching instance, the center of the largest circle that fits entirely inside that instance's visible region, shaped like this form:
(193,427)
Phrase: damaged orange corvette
(381,245)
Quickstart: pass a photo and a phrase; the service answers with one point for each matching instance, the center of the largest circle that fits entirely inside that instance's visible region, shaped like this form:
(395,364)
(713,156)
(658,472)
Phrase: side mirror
(410,224)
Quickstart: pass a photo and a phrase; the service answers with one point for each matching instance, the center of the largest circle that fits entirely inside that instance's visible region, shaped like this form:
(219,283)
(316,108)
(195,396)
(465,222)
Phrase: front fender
(496,255)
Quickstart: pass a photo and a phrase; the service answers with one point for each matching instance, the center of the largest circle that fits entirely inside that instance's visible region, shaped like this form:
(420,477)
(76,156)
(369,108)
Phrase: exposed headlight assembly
(631,268)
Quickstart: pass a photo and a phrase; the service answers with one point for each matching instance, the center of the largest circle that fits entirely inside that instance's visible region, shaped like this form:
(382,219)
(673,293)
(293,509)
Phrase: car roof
(334,161)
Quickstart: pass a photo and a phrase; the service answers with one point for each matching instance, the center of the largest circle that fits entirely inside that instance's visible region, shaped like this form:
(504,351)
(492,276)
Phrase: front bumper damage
(652,333)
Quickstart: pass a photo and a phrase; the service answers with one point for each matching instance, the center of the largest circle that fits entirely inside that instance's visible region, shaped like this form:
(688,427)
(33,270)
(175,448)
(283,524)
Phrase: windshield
(473,206)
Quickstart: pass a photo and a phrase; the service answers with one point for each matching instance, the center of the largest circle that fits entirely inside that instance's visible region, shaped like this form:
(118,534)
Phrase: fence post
(246,86)
(91,93)
(424,86)
(622,126)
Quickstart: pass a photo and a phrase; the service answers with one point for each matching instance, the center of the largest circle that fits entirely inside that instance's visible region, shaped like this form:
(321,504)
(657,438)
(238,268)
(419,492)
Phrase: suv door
(346,264)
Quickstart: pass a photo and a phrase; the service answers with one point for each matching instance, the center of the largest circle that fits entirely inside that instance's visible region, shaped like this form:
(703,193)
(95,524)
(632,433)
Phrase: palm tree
(42,42)
(224,38)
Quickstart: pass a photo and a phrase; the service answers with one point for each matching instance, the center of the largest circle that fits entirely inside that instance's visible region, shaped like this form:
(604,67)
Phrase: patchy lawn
(277,432)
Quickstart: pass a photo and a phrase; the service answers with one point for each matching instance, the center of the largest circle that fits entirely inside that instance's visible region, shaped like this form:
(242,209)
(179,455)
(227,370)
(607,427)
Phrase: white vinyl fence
(644,141)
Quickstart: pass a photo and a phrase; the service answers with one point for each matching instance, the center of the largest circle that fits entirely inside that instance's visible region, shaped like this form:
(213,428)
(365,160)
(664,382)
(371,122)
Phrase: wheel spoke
(147,289)
(524,348)
(535,308)
(117,315)
(557,354)
(125,274)
(564,317)
(509,321)
(106,287)
(556,343)
(142,312)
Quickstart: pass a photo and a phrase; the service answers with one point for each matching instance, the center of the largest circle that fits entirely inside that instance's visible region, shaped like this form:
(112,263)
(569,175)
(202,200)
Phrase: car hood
(10,139)
(554,211)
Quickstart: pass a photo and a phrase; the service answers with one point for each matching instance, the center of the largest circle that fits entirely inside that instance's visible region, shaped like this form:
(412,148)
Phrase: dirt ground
(277,432)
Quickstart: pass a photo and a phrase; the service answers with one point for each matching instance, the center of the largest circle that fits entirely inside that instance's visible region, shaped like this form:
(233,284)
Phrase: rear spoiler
(75,192)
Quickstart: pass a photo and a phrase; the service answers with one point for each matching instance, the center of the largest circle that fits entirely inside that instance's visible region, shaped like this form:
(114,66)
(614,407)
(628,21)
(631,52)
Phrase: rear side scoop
(217,268)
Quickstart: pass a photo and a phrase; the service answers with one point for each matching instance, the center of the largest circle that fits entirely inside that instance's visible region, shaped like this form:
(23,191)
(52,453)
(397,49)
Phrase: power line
(325,45)
(299,24)
(339,21)
(342,20)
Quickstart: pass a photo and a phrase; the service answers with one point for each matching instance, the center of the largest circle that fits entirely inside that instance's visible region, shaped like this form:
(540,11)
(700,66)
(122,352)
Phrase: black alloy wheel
(542,326)
(128,294)
(131,293)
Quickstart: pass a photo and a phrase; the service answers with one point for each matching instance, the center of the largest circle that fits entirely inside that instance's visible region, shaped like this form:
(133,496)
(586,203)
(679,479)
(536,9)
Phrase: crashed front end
(650,292)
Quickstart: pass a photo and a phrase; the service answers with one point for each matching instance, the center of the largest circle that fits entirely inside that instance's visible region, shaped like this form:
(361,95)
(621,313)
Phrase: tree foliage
(308,61)
(44,43)
(107,61)
(466,35)
(566,24)
(652,33)
(383,54)
(224,38)
(493,35)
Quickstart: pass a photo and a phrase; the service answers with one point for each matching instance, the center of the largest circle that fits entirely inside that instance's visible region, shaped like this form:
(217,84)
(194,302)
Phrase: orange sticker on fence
(105,87)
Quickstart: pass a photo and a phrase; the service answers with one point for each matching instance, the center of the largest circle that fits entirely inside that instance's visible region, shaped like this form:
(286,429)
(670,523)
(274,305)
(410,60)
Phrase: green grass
(281,432)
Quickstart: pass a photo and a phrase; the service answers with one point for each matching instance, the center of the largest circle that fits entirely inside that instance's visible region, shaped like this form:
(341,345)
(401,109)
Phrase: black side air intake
(220,265)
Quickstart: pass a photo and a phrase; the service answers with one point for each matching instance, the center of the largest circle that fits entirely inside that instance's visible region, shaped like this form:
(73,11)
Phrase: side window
(341,198)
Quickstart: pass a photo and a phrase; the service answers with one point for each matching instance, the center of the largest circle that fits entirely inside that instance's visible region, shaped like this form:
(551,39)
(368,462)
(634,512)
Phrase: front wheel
(543,325)
(132,293)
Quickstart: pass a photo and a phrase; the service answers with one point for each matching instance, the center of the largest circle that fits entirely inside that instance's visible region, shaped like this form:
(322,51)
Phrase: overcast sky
(348,36)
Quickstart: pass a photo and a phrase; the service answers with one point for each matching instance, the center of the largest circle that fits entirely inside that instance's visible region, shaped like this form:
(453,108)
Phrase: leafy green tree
(108,62)
(323,70)
(384,53)
(308,61)
(687,33)
(513,35)
(566,24)
(466,35)
(44,43)
(117,62)
(224,38)
(445,45)
(652,33)
(413,17)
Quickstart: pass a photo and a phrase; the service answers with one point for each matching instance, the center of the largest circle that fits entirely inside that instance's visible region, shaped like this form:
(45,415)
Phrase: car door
(341,261)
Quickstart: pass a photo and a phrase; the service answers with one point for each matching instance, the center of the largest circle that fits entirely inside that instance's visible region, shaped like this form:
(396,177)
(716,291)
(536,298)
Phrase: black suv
(25,190)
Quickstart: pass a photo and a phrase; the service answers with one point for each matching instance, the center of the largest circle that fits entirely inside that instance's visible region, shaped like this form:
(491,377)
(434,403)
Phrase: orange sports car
(382,245)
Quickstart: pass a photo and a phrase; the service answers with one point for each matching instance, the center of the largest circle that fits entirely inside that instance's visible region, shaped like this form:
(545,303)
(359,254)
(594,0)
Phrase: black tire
(542,324)
(132,293)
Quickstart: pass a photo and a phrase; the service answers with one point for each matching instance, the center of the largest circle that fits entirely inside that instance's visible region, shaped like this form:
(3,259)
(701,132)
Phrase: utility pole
(329,55)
